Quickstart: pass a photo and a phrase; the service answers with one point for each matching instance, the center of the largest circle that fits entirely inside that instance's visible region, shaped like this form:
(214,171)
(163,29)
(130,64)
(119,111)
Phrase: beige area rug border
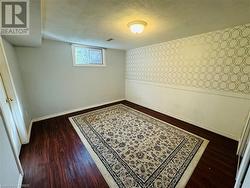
(109,179)
(189,170)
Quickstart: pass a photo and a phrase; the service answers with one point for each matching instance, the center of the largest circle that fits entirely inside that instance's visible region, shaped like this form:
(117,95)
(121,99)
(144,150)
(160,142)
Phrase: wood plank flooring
(56,157)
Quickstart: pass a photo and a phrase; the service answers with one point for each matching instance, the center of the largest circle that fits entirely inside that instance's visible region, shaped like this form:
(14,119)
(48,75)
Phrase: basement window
(87,56)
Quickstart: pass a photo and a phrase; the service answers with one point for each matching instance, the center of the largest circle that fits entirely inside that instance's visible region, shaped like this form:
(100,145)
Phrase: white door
(8,118)
(11,173)
(19,115)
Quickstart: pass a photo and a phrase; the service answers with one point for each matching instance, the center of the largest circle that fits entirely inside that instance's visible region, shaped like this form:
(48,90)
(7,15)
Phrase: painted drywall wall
(203,79)
(54,85)
(17,92)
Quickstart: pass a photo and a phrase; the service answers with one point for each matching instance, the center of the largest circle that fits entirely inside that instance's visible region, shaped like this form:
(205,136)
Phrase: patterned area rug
(132,149)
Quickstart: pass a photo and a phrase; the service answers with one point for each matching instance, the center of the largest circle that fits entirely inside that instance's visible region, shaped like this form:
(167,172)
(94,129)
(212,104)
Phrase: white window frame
(73,46)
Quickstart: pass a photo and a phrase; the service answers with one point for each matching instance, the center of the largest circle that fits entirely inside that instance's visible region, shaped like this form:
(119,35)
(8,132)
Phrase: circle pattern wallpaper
(217,60)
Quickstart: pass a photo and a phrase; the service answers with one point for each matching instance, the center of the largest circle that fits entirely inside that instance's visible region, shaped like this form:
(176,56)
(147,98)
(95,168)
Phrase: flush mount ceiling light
(137,26)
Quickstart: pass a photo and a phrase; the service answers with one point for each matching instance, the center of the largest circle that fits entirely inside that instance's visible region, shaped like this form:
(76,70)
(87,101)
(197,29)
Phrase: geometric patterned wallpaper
(218,60)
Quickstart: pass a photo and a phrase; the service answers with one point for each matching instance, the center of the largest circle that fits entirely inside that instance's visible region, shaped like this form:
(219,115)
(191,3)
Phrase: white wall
(203,79)
(15,89)
(53,85)
(221,114)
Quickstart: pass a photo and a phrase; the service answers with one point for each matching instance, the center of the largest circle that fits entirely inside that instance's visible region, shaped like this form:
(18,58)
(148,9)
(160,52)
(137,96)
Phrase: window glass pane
(95,56)
(82,55)
(88,56)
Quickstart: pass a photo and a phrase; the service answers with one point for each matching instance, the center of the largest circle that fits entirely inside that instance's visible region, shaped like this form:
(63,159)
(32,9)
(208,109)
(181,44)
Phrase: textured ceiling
(92,22)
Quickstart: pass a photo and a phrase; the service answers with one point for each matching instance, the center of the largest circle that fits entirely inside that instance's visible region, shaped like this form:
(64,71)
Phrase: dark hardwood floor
(56,157)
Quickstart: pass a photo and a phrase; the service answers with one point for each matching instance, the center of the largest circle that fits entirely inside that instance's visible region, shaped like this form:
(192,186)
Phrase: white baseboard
(100,104)
(65,112)
(74,110)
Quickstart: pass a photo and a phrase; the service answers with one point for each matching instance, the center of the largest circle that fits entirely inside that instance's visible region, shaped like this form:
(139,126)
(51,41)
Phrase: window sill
(88,65)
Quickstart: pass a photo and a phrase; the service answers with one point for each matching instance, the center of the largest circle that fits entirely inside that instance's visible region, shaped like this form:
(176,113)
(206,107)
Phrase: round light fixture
(137,26)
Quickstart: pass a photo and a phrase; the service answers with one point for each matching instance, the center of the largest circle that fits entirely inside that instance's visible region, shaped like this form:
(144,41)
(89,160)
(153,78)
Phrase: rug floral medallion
(136,149)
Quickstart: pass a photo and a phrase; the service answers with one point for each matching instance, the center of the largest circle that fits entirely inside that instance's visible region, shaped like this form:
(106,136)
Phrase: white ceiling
(92,22)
